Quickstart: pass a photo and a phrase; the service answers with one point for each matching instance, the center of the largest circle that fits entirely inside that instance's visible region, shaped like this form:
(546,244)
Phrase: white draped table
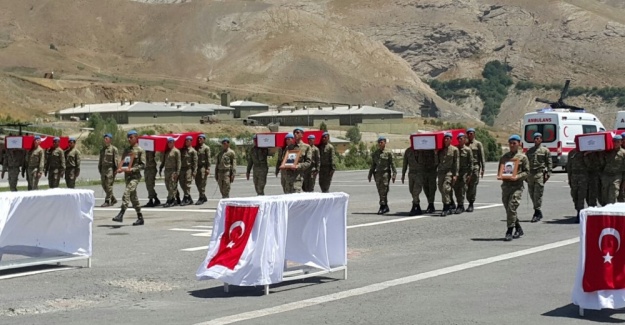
(46,226)
(254,237)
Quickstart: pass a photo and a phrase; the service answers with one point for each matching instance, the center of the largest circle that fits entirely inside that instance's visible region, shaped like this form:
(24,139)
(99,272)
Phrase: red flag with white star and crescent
(604,266)
(238,225)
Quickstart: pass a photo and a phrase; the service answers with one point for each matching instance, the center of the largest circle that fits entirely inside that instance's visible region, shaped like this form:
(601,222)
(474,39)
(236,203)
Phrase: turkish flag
(237,230)
(604,266)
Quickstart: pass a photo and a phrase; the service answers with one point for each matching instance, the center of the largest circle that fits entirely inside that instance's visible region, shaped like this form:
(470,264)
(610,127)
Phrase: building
(132,112)
(334,115)
(243,108)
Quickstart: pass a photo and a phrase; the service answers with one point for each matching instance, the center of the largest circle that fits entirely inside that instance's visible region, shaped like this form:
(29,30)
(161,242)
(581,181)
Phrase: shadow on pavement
(112,226)
(600,316)
(257,291)
(487,239)
(566,221)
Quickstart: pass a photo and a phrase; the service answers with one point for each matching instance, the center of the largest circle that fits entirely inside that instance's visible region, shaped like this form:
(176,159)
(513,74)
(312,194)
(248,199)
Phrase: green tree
(492,150)
(353,134)
(323,126)
(93,142)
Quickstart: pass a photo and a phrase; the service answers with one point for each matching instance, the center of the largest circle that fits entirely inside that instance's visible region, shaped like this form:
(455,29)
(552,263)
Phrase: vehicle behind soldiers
(257,161)
(107,165)
(410,164)
(203,168)
(540,172)
(171,162)
(382,170)
(55,164)
(327,164)
(133,163)
(72,163)
(577,172)
(310,176)
(613,163)
(35,164)
(512,186)
(479,166)
(225,168)
(14,159)
(447,172)
(150,179)
(465,171)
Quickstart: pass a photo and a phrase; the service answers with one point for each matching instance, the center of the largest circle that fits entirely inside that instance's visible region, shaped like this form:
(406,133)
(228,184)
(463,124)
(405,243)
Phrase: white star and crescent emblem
(610,232)
(232,227)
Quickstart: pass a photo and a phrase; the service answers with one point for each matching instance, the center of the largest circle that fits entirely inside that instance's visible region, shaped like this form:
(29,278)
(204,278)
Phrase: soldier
(577,172)
(257,159)
(447,172)
(621,194)
(188,169)
(594,161)
(150,179)
(465,171)
(203,168)
(225,168)
(479,165)
(171,162)
(614,166)
(13,160)
(294,176)
(311,175)
(411,164)
(72,163)
(540,171)
(35,162)
(107,165)
(427,164)
(326,163)
(288,141)
(383,168)
(55,164)
(512,188)
(132,176)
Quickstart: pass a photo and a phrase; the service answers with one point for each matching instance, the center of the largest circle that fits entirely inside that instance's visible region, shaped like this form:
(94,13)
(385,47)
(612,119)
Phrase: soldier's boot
(508,234)
(106,204)
(470,208)
(460,209)
(535,216)
(201,200)
(157,202)
(430,208)
(178,198)
(113,201)
(452,205)
(540,215)
(189,200)
(150,204)
(381,209)
(518,232)
(418,210)
(445,210)
(385,209)
(139,221)
(120,216)
(413,211)
(167,204)
(577,217)
(184,201)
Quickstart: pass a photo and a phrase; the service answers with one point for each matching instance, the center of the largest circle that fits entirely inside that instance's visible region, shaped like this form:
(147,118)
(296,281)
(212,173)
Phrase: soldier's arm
(42,162)
(569,163)
(524,167)
(305,160)
(317,160)
(455,163)
(63,163)
(250,163)
(470,159)
(77,162)
(392,165)
(116,157)
(194,163)
(100,160)
(233,165)
(178,162)
(482,157)
(373,164)
(548,161)
(332,158)
(405,164)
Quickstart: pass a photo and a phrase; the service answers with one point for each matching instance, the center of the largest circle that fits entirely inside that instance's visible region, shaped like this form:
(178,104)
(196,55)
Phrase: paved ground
(428,270)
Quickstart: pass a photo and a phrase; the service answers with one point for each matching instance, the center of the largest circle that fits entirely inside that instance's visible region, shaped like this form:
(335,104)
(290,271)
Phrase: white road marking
(184,229)
(170,210)
(17,275)
(387,221)
(489,206)
(383,285)
(193,249)
(203,234)
(208,227)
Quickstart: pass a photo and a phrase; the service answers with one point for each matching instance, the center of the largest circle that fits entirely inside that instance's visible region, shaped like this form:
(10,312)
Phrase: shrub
(353,134)
(93,142)
(323,126)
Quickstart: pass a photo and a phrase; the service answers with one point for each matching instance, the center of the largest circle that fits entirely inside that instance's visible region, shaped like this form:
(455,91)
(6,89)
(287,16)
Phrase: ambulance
(558,127)
(620,121)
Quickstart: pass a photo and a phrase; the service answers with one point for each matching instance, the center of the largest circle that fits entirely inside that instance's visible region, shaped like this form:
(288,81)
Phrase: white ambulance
(558,127)
(620,121)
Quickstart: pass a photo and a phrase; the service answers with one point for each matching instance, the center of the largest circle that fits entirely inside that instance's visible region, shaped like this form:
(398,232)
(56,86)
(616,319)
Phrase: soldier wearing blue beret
(512,185)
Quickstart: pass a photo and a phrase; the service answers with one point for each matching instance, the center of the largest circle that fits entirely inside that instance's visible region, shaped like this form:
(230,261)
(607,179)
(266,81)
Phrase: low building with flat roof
(334,115)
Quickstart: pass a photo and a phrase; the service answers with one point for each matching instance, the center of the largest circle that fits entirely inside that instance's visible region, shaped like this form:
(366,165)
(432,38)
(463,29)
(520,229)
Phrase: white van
(620,121)
(558,127)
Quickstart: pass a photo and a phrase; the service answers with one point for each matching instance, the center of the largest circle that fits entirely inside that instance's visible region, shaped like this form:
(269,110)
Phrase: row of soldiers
(53,163)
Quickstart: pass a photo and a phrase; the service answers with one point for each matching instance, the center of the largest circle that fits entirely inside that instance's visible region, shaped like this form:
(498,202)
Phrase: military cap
(617,137)
(460,135)
(448,135)
(56,139)
(325,133)
(298,129)
(72,139)
(203,136)
(37,137)
(381,138)
(470,130)
(311,137)
(514,137)
(188,137)
(170,139)
(225,140)
(108,135)
(289,136)
(131,132)
(537,134)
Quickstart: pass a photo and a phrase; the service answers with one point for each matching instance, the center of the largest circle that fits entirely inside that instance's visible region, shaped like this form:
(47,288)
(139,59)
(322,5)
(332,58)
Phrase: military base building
(333,115)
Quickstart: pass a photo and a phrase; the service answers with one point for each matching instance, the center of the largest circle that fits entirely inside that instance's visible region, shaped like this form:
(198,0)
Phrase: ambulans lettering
(539,120)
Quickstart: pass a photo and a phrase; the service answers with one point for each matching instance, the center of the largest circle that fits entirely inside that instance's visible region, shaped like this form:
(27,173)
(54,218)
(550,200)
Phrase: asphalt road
(429,270)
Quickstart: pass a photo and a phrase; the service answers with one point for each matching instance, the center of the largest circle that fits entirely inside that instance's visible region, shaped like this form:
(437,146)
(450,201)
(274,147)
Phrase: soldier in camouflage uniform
(540,171)
(171,162)
(479,165)
(411,164)
(465,171)
(203,168)
(512,189)
(188,170)
(426,176)
(132,177)
(326,165)
(257,160)
(382,168)
(288,141)
(613,163)
(150,179)
(310,176)
(594,162)
(35,164)
(225,168)
(577,172)
(72,164)
(295,176)
(107,165)
(14,159)
(447,172)
(55,164)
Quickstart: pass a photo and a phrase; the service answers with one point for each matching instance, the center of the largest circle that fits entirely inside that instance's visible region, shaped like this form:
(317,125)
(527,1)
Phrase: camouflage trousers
(185,179)
(610,187)
(594,190)
(414,187)
(200,180)
(223,181)
(460,187)
(293,181)
(579,189)
(511,198)
(54,177)
(325,178)
(283,181)
(107,178)
(33,178)
(472,186)
(426,181)
(171,184)
(444,186)
(150,181)
(70,177)
(536,187)
(130,194)
(260,179)
(14,173)
(382,183)
(308,182)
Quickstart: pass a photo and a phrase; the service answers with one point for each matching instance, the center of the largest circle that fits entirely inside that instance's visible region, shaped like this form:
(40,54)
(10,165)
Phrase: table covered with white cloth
(46,223)
(253,237)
